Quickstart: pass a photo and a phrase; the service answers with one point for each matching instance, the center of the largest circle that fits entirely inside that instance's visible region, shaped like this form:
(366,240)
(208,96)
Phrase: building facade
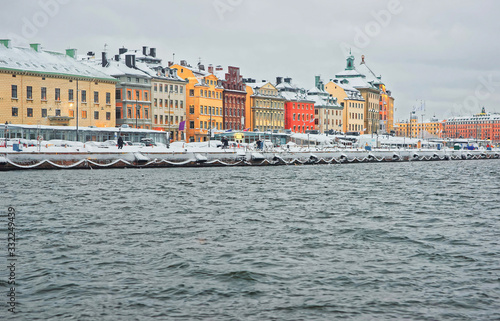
(204,102)
(352,103)
(299,109)
(234,98)
(328,113)
(431,128)
(267,106)
(39,87)
(367,88)
(482,126)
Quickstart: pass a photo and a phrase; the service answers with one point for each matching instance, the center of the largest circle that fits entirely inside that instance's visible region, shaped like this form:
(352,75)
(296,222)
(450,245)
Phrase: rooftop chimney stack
(183,63)
(279,80)
(122,50)
(144,50)
(152,52)
(288,80)
(130,61)
(104,61)
(211,69)
(35,46)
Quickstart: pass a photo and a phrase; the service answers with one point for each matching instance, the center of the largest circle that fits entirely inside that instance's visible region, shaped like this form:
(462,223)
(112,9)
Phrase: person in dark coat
(120,142)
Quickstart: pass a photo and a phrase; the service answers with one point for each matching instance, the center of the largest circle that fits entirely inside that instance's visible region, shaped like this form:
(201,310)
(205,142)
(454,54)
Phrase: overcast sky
(442,52)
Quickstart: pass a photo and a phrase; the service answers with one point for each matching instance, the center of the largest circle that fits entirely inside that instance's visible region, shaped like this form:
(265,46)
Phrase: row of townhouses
(134,88)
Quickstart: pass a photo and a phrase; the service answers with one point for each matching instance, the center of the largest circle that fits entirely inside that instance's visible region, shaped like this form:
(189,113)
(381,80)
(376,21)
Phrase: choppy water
(415,241)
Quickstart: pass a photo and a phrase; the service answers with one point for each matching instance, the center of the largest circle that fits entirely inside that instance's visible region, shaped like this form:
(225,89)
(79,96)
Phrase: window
(137,80)
(156,102)
(70,94)
(71,113)
(58,94)
(129,112)
(161,87)
(191,109)
(14,112)
(146,113)
(182,104)
(191,124)
(14,92)
(191,92)
(137,95)
(161,119)
(176,104)
(58,112)
(181,89)
(96,97)
(129,79)
(156,87)
(44,93)
(201,109)
(84,96)
(108,116)
(176,88)
(44,112)
(29,93)
(129,95)
(108,98)
(84,114)
(96,115)
(161,102)
(145,95)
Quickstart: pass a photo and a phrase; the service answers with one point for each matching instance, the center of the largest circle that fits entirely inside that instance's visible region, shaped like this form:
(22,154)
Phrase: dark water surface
(416,241)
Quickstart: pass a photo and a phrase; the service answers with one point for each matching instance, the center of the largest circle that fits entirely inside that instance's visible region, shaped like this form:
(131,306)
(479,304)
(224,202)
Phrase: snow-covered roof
(348,73)
(46,62)
(295,96)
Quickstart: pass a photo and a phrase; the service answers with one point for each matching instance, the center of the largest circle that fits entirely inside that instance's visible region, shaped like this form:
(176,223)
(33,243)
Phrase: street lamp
(5,132)
(77,132)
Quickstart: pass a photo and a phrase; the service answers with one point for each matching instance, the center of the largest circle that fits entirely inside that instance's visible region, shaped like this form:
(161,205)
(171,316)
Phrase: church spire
(350,62)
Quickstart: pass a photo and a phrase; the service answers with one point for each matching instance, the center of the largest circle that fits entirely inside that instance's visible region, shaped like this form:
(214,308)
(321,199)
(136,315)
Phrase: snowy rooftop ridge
(47,62)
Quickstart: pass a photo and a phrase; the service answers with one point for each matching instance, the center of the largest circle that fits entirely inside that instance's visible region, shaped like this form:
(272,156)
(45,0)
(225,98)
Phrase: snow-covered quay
(73,155)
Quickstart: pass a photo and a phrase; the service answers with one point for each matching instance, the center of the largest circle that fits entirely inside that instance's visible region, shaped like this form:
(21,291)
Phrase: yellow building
(352,102)
(204,112)
(432,128)
(265,106)
(39,87)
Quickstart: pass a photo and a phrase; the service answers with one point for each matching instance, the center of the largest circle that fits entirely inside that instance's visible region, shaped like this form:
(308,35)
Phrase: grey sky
(443,52)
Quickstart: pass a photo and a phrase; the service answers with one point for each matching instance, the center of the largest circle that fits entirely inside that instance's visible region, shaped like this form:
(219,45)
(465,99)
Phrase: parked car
(148,141)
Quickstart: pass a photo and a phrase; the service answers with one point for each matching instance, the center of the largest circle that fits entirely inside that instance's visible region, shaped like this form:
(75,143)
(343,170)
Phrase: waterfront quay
(185,155)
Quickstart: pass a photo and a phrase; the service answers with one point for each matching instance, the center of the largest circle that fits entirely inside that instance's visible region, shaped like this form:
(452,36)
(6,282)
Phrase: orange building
(204,104)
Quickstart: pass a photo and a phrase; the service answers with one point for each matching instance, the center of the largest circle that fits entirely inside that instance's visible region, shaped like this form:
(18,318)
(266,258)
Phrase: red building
(234,97)
(299,109)
(481,126)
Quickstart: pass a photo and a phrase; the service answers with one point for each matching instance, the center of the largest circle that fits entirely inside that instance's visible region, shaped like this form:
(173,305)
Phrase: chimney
(263,80)
(362,59)
(183,63)
(144,50)
(122,50)
(170,63)
(117,57)
(90,53)
(130,61)
(5,42)
(288,80)
(219,68)
(36,46)
(104,61)
(71,53)
(152,52)
(201,67)
(279,80)
(211,69)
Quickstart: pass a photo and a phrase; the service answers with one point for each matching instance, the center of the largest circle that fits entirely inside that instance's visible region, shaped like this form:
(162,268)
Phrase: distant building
(234,97)
(133,91)
(482,126)
(266,105)
(431,128)
(328,113)
(299,108)
(168,94)
(41,87)
(352,102)
(204,102)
